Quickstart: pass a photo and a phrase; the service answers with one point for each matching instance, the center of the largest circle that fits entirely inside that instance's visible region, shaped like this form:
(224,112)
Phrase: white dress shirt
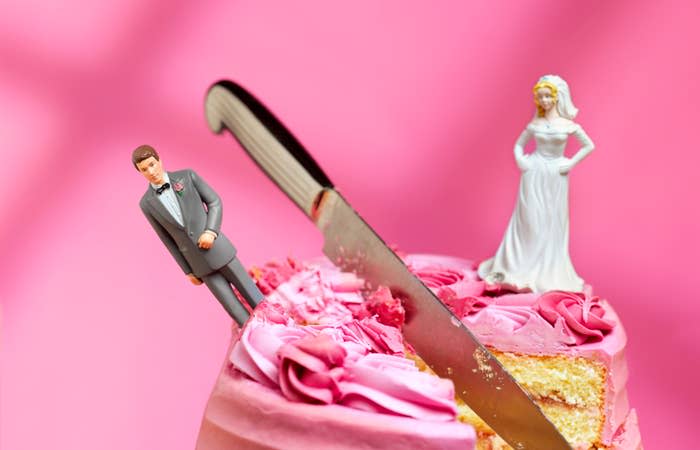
(167,198)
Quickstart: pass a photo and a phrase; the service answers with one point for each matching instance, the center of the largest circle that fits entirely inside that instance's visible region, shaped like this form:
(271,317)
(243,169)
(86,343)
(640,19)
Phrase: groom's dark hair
(143,152)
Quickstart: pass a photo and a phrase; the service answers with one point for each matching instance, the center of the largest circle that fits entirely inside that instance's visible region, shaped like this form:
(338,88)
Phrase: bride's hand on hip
(565,166)
(523,163)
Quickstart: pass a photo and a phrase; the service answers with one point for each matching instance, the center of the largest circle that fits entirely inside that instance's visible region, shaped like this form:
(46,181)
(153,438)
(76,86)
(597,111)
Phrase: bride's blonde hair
(541,84)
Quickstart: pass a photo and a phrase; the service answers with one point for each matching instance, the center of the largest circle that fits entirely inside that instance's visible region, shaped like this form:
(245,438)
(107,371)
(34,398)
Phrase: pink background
(412,108)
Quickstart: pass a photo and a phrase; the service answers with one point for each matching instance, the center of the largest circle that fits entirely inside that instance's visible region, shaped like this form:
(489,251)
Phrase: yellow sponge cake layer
(574,381)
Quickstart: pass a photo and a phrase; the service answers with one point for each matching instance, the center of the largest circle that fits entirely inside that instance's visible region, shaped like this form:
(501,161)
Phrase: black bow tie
(162,188)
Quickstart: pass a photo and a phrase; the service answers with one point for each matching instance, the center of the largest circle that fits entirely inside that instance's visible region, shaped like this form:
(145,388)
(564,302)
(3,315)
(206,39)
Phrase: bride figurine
(534,253)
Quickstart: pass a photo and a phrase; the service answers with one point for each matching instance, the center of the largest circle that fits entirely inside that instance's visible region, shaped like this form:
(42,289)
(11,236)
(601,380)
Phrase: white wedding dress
(534,253)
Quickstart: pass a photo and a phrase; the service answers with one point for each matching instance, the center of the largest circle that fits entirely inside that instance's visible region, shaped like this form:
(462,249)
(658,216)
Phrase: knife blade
(438,336)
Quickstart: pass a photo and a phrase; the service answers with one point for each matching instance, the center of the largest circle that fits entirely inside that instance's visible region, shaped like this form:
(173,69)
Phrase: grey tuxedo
(201,210)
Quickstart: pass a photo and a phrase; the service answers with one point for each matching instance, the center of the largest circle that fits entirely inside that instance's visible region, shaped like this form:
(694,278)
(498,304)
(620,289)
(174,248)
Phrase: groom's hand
(206,240)
(193,279)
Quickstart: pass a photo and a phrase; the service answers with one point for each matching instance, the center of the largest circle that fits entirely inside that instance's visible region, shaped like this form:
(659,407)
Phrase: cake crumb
(482,360)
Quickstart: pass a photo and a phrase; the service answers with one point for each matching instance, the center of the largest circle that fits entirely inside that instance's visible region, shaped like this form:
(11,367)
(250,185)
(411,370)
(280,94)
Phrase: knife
(438,336)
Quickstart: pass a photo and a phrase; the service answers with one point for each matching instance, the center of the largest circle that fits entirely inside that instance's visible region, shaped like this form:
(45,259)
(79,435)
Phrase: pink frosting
(450,282)
(317,296)
(242,413)
(274,273)
(376,336)
(627,436)
(359,364)
(387,308)
(310,369)
(583,315)
(255,354)
(394,385)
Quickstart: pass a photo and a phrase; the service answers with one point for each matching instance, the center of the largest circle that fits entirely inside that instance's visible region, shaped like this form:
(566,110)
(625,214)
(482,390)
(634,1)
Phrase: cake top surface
(316,292)
(552,322)
(321,337)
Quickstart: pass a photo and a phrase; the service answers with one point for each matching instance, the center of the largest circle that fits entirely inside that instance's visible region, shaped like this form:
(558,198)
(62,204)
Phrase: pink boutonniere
(179,188)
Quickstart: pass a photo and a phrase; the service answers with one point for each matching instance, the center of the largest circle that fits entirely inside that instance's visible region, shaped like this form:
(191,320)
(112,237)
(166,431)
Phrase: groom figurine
(186,214)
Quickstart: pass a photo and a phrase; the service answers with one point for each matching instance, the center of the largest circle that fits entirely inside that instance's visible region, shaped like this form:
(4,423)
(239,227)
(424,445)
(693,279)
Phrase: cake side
(242,413)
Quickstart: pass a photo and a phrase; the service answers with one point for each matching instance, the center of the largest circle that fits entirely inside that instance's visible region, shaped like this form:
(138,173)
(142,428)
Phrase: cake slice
(566,350)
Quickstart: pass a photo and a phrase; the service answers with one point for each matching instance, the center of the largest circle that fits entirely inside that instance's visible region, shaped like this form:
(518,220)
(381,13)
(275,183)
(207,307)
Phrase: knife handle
(268,142)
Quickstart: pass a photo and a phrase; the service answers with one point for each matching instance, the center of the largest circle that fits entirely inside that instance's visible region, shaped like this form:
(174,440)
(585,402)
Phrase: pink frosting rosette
(453,281)
(310,369)
(393,385)
(582,315)
(437,276)
(255,353)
